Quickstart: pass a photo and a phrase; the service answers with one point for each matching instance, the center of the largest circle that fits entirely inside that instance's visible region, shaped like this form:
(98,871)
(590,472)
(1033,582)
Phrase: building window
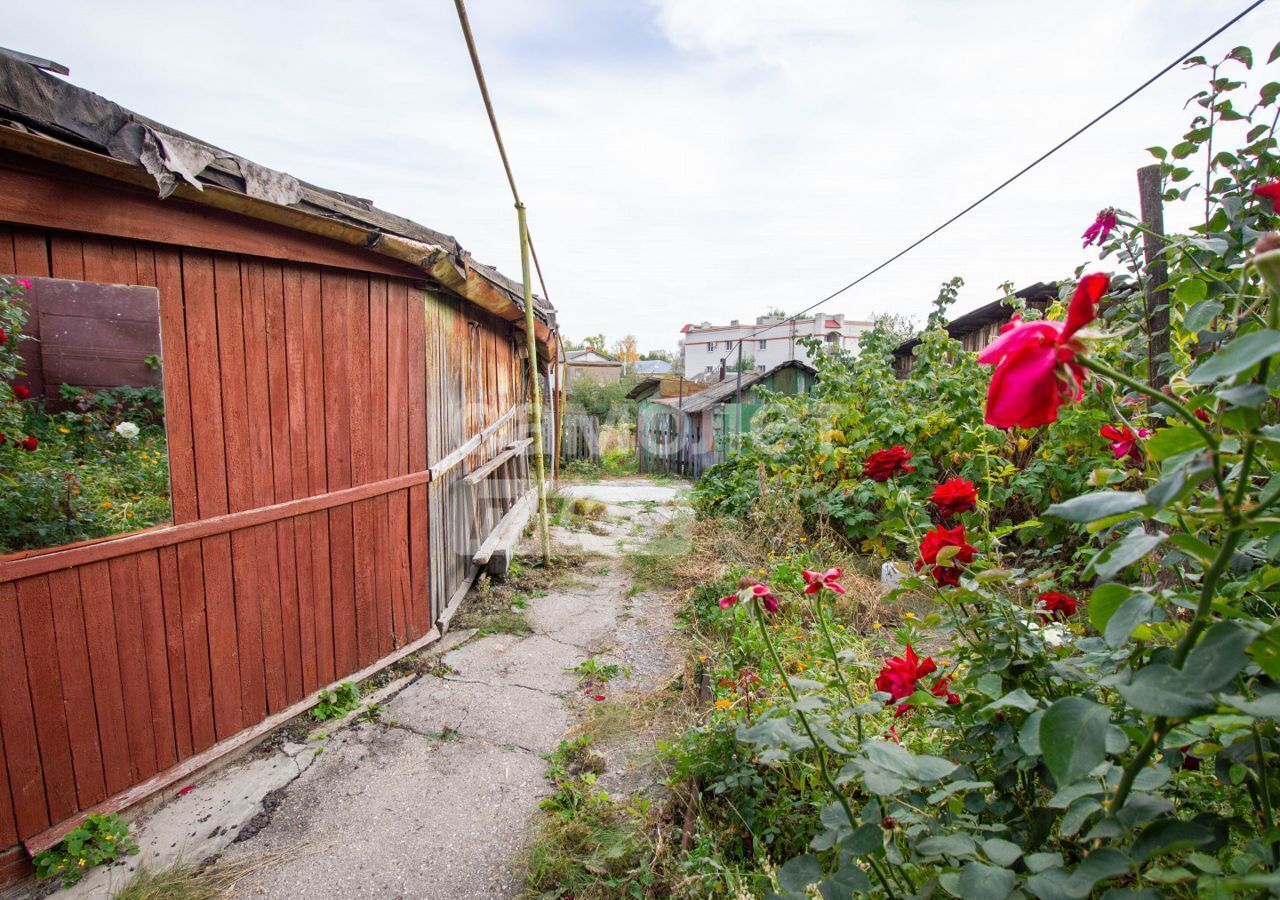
(760,368)
(833,337)
(763,344)
(711,345)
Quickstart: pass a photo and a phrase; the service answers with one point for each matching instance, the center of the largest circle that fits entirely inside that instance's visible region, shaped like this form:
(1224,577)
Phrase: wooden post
(738,391)
(1157,296)
(532,339)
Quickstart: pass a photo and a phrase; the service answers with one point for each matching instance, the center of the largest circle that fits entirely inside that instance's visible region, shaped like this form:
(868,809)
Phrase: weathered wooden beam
(511,451)
(446,616)
(40,562)
(464,450)
(508,530)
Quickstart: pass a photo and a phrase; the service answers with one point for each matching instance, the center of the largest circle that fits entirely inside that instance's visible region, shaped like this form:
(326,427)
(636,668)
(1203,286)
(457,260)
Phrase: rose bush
(1128,748)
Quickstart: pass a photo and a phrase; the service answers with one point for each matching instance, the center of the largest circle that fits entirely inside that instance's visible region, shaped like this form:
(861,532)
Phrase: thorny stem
(1264,793)
(835,661)
(818,749)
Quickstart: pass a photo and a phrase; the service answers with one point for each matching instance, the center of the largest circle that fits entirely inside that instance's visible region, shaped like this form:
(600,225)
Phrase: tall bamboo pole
(532,338)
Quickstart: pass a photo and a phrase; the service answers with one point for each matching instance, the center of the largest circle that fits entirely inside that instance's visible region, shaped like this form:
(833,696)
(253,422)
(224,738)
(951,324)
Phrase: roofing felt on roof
(722,391)
(38,104)
(1039,294)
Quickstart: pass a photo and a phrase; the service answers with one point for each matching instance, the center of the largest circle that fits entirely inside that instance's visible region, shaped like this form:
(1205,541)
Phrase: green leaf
(1265,707)
(1104,601)
(1167,442)
(1250,395)
(1132,612)
(1019,699)
(1060,884)
(1125,552)
(1190,291)
(979,881)
(1274,54)
(1001,852)
(948,845)
(849,881)
(1218,657)
(1242,353)
(1163,691)
(1098,505)
(1168,836)
(798,873)
(1200,316)
(1073,738)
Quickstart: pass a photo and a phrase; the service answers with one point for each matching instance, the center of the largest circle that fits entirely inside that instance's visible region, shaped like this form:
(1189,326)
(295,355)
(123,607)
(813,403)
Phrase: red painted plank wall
(283,380)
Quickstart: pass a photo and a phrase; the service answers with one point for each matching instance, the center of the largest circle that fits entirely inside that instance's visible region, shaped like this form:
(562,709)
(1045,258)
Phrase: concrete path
(434,797)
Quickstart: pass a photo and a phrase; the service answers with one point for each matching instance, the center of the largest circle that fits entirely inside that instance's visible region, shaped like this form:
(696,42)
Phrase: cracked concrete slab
(389,813)
(506,716)
(627,490)
(537,661)
(197,824)
(585,619)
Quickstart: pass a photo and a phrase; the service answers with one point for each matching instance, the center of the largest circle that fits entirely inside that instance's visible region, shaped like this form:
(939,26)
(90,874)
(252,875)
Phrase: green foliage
(1129,749)
(97,840)
(336,703)
(98,466)
(607,402)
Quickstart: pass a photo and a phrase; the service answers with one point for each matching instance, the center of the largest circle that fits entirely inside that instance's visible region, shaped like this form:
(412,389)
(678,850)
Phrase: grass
(181,881)
(498,607)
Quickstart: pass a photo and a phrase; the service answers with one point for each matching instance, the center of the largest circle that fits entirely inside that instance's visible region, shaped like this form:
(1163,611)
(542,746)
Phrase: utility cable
(1008,181)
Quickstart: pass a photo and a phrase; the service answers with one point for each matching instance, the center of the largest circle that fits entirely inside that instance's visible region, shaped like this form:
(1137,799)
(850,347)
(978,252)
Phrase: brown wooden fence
(306,406)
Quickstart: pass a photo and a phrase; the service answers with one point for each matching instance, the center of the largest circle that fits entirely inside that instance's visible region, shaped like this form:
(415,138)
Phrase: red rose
(1035,367)
(1101,228)
(1203,416)
(1270,190)
(899,676)
(3,337)
(942,688)
(884,464)
(29,444)
(1123,441)
(22,392)
(1,438)
(954,496)
(933,543)
(1054,604)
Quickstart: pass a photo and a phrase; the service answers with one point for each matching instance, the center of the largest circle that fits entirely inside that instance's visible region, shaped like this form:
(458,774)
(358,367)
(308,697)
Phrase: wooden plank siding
(284,381)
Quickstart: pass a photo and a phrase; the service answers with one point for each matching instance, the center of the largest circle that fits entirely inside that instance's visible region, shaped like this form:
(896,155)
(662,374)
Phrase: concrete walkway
(434,798)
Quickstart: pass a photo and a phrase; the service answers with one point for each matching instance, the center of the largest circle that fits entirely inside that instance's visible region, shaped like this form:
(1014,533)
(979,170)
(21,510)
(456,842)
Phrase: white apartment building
(778,341)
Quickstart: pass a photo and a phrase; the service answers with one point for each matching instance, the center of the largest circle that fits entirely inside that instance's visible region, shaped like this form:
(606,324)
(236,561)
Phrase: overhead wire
(1008,181)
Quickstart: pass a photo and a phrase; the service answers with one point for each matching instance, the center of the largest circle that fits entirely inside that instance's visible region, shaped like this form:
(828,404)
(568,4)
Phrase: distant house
(591,364)
(974,330)
(686,433)
(769,342)
(652,367)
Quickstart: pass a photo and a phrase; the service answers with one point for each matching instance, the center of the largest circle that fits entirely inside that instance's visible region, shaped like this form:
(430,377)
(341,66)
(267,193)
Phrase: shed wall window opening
(84,453)
(711,345)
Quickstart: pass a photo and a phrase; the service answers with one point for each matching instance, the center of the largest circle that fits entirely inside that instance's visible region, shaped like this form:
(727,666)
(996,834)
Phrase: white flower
(1054,635)
(127,430)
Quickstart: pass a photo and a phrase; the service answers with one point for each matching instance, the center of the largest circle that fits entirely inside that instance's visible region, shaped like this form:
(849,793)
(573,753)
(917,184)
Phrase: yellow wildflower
(1023,443)
(723,704)
(105,504)
(64,431)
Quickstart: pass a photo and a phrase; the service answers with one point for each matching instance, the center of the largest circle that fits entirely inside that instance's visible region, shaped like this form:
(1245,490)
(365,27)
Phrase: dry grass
(181,881)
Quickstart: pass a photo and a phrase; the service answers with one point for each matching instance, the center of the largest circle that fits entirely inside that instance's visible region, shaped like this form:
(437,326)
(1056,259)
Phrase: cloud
(682,159)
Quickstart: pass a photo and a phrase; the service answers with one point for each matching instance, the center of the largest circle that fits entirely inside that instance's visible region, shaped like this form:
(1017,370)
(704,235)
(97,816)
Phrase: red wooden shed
(331,376)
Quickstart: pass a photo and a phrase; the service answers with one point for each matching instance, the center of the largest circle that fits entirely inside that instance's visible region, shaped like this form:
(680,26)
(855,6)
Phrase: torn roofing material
(38,109)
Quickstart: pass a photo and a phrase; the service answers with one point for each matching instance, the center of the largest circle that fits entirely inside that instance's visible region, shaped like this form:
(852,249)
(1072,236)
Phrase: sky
(684,160)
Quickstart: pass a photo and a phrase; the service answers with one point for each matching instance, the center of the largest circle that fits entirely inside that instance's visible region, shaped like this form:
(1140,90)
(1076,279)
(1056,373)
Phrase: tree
(897,327)
(664,355)
(626,352)
(746,364)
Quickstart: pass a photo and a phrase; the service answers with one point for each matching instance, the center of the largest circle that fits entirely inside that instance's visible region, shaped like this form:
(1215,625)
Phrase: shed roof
(723,391)
(1039,294)
(44,116)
